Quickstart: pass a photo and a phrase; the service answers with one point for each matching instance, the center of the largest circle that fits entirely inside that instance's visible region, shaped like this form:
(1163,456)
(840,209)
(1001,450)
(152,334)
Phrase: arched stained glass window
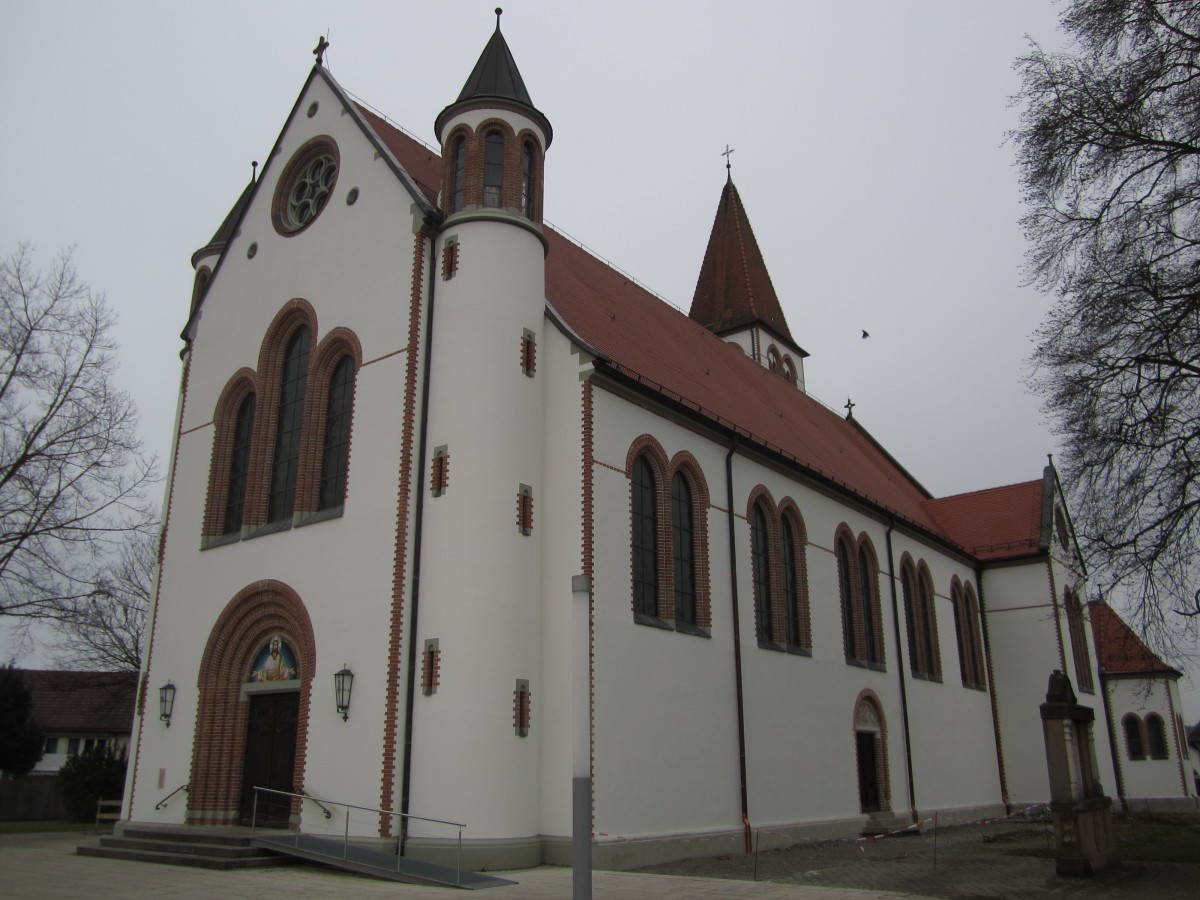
(459,174)
(644,540)
(292,389)
(760,556)
(493,170)
(682,550)
(335,457)
(239,465)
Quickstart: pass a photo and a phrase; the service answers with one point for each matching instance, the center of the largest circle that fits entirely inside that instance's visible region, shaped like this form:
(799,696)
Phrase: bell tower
(494,143)
(482,519)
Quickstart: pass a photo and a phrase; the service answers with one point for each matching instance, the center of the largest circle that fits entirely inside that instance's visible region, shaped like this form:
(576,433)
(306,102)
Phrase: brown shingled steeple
(734,289)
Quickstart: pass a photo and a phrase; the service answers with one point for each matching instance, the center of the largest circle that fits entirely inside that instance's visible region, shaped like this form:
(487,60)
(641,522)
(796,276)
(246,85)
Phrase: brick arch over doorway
(259,611)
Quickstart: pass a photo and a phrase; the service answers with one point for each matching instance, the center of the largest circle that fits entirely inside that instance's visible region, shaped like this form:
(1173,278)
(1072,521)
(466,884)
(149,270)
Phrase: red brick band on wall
(391,716)
(259,611)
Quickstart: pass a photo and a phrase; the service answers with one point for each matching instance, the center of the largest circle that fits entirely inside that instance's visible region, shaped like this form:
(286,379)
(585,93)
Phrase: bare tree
(1109,156)
(105,629)
(72,479)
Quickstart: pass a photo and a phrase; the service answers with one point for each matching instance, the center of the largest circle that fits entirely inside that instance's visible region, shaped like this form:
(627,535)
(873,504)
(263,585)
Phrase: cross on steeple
(319,50)
(726,154)
(849,407)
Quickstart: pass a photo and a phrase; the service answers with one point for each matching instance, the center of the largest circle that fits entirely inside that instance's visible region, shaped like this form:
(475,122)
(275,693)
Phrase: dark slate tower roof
(734,288)
(496,74)
(496,81)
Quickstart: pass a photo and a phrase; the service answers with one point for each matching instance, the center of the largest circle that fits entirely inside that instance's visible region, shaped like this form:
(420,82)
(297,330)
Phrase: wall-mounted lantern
(343,683)
(166,702)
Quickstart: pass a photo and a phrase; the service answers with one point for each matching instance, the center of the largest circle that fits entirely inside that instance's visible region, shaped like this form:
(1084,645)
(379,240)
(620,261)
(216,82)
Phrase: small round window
(305,186)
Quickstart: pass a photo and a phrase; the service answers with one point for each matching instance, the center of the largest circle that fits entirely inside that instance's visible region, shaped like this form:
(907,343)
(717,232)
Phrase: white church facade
(413,421)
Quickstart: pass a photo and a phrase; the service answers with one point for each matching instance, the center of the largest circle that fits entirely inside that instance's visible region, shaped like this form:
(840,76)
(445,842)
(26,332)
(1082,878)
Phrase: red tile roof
(1118,650)
(82,702)
(734,288)
(648,341)
(997,523)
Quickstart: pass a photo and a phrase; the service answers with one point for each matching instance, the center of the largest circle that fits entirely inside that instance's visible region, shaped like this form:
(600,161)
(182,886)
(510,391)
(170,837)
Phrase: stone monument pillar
(1083,832)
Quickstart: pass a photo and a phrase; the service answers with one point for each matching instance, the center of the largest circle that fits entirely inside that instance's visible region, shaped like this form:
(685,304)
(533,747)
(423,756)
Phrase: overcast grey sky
(869,144)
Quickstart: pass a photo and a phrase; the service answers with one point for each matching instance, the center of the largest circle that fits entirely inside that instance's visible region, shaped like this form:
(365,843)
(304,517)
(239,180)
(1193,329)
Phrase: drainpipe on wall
(737,642)
(422,441)
(991,680)
(912,790)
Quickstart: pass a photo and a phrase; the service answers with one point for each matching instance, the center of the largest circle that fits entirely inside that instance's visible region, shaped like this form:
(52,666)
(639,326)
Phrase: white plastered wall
(353,264)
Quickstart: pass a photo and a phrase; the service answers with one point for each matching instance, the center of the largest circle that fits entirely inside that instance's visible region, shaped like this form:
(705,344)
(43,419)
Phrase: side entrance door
(270,757)
(868,772)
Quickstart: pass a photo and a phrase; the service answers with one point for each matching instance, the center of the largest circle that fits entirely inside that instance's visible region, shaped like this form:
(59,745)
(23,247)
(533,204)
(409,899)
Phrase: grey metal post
(581,770)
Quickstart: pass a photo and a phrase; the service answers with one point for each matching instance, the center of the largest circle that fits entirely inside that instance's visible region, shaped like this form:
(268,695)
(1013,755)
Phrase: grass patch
(1153,841)
(44,826)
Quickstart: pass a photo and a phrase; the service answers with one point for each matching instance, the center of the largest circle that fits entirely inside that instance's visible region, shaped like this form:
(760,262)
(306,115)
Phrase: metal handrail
(346,834)
(324,808)
(163,802)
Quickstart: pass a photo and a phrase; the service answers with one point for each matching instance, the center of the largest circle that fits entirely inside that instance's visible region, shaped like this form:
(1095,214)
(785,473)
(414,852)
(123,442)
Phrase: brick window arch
(324,471)
(669,505)
(793,559)
(458,172)
(966,627)
(289,425)
(1156,736)
(921,619)
(1134,746)
(229,467)
(493,169)
(858,585)
(760,567)
(258,612)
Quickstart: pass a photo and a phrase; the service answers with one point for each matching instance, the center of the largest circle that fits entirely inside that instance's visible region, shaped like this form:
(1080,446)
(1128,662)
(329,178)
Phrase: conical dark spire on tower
(734,289)
(496,73)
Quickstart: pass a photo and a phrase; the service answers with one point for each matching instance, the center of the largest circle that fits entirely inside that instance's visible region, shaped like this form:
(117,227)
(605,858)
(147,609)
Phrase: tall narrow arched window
(760,558)
(335,456)
(239,466)
(871,636)
(682,550)
(1156,736)
(791,581)
(644,540)
(292,388)
(1133,737)
(493,169)
(928,625)
(527,179)
(846,590)
(458,176)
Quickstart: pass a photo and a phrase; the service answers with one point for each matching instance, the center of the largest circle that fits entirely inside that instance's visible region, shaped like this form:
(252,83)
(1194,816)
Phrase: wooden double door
(270,759)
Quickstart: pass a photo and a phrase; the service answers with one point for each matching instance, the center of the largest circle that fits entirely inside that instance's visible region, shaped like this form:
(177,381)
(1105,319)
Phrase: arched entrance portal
(870,739)
(252,719)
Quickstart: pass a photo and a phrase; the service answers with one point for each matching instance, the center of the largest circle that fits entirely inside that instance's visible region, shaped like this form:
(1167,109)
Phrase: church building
(416,425)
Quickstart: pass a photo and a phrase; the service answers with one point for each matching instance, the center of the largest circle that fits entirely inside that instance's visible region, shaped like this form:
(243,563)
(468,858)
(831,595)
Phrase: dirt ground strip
(1004,859)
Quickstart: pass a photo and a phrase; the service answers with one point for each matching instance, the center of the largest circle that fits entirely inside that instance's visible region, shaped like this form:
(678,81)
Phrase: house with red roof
(465,524)
(80,710)
(1152,762)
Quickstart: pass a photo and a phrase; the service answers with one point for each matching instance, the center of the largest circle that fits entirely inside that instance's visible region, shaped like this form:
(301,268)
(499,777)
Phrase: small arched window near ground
(871,755)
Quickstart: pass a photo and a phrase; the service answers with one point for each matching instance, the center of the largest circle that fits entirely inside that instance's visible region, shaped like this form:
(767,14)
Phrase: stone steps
(198,848)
